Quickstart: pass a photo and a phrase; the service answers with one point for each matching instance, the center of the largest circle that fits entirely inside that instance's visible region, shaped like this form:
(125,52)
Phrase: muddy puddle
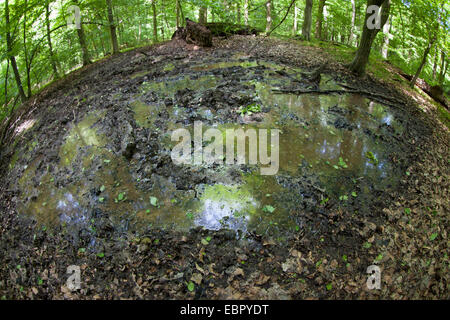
(116,178)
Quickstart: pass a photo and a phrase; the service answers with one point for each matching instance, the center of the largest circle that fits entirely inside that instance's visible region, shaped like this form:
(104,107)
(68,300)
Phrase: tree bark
(443,68)
(246,12)
(177,4)
(238,13)
(83,44)
(295,26)
(423,62)
(25,49)
(49,40)
(112,27)
(359,63)
(6,82)
(155,22)
(385,47)
(319,21)
(306,29)
(84,49)
(352,26)
(435,64)
(203,15)
(11,57)
(268,16)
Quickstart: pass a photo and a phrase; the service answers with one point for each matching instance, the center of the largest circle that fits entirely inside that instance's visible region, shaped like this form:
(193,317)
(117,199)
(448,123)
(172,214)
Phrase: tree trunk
(306,29)
(435,64)
(177,4)
(246,12)
(11,57)
(268,16)
(385,48)
(352,26)
(25,49)
(359,63)
(443,69)
(295,26)
(6,82)
(423,62)
(84,49)
(112,27)
(443,74)
(49,40)
(155,23)
(319,21)
(203,15)
(83,44)
(238,13)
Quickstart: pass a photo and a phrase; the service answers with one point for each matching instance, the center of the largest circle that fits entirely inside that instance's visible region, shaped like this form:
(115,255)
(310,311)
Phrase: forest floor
(87,180)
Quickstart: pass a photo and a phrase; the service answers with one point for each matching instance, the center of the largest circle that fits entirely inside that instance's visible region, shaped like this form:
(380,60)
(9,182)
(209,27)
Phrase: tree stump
(194,33)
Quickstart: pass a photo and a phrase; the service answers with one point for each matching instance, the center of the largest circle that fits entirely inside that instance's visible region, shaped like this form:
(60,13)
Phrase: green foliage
(250,109)
(413,25)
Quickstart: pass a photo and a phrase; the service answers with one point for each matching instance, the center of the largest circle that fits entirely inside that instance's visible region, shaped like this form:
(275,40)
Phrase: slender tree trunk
(435,64)
(112,27)
(352,26)
(359,63)
(385,47)
(203,15)
(246,12)
(295,26)
(443,68)
(444,73)
(84,48)
(238,13)
(49,40)
(83,43)
(423,62)
(11,57)
(177,4)
(155,23)
(25,49)
(6,83)
(306,29)
(319,21)
(268,15)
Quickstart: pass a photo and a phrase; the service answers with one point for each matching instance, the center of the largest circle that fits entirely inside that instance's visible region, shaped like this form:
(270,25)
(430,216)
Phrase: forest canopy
(40,44)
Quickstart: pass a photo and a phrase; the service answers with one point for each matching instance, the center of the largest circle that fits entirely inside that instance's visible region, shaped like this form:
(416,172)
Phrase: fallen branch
(374,96)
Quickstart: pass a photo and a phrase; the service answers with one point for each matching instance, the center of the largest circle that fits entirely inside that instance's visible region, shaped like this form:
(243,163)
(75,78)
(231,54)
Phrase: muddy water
(333,148)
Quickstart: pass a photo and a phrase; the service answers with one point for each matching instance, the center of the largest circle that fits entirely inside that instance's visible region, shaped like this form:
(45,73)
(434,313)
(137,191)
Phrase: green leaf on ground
(268,209)
(154,201)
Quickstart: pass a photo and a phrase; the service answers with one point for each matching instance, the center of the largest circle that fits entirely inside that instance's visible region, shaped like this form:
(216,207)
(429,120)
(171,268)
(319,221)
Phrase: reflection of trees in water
(326,142)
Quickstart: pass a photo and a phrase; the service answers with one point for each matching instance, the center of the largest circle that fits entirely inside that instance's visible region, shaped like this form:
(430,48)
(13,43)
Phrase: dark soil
(401,227)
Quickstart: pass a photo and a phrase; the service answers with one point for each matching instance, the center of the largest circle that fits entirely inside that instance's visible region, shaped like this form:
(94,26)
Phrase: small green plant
(268,209)
(371,157)
(250,109)
(342,163)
